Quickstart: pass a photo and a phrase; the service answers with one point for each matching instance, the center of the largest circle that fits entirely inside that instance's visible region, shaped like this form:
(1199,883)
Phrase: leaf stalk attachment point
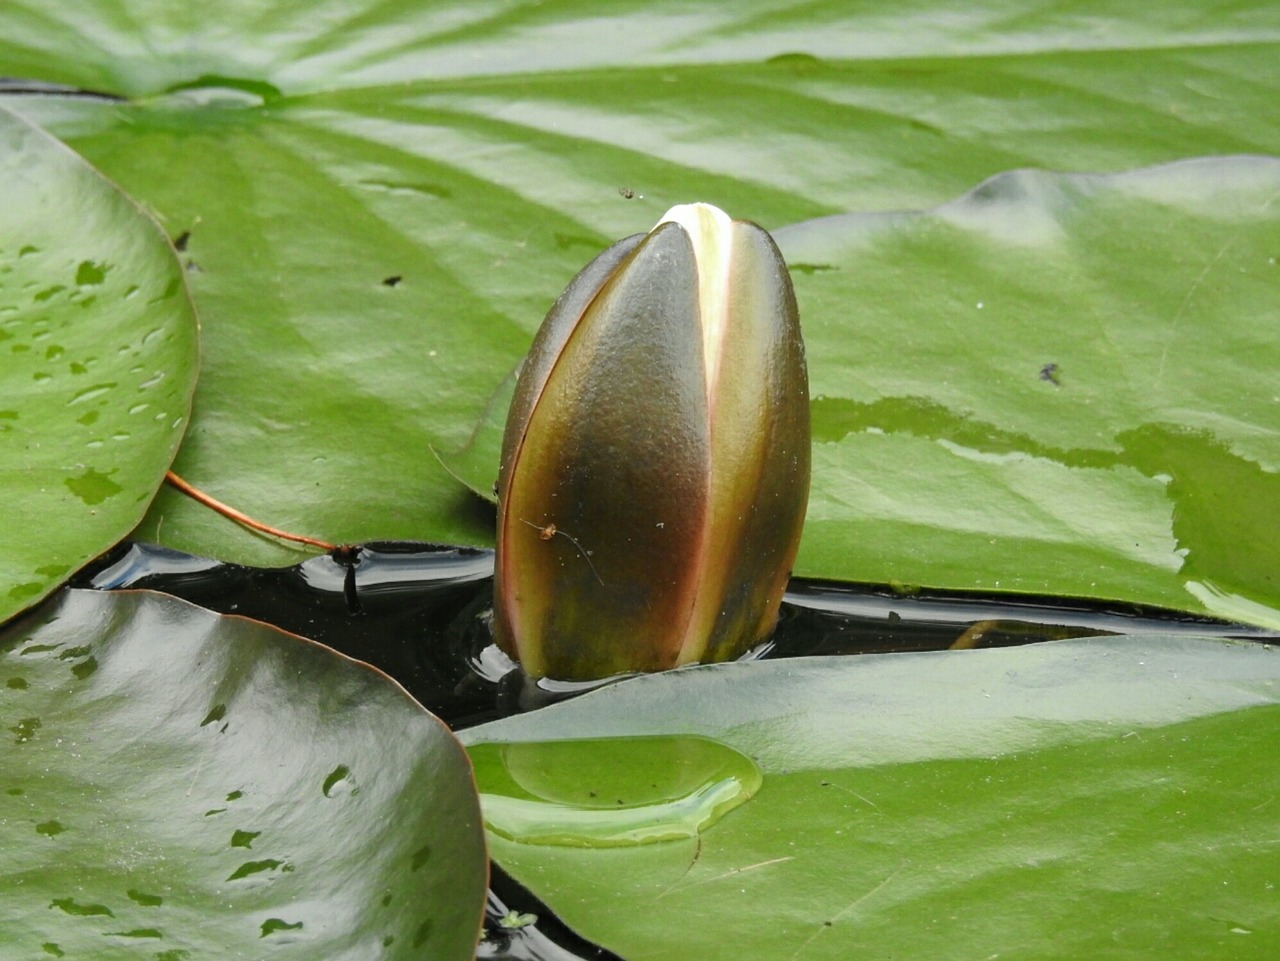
(241,518)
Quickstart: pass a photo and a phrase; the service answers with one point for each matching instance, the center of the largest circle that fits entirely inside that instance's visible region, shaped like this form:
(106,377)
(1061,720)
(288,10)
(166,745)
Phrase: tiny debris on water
(514,920)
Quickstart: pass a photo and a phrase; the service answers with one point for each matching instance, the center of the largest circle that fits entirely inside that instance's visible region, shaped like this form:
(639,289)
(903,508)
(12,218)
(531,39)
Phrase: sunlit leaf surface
(176,784)
(1108,796)
(97,362)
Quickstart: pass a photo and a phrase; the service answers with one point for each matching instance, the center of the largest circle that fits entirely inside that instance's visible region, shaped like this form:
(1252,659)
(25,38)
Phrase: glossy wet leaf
(1056,384)
(384,198)
(97,362)
(185,784)
(1107,796)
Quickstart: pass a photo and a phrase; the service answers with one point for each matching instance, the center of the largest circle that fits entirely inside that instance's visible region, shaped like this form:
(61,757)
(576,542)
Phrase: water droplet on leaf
(606,792)
(90,274)
(272,925)
(93,487)
(338,781)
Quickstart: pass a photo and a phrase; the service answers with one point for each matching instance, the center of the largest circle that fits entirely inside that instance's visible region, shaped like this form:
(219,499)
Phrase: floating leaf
(1108,796)
(97,362)
(123,815)
(1057,384)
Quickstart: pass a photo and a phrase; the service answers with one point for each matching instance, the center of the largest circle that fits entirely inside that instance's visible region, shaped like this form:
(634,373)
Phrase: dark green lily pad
(1112,797)
(97,362)
(191,785)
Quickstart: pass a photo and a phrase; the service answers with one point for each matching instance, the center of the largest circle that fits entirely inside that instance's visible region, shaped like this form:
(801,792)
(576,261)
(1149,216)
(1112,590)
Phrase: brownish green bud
(655,466)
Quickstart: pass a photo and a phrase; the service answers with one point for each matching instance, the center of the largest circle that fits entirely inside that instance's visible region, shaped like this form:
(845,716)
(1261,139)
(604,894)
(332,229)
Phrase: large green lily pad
(1057,384)
(482,153)
(97,362)
(176,784)
(1101,797)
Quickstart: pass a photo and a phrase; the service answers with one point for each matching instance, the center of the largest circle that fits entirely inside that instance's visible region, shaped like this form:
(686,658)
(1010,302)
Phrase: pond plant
(660,428)
(293,253)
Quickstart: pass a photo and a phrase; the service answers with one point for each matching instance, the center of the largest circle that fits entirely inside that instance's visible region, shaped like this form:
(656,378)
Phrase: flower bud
(655,464)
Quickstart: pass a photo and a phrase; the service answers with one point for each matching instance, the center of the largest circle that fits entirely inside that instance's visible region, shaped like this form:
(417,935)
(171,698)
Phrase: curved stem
(241,518)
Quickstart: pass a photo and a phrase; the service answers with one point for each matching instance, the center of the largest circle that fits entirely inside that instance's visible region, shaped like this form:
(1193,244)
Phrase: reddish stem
(240,518)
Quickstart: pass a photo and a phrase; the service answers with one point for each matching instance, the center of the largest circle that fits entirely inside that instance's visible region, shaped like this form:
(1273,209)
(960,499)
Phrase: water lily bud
(655,466)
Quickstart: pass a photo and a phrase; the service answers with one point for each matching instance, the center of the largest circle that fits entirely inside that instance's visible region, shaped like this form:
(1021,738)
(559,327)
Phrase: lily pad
(1108,796)
(1057,384)
(381,199)
(191,785)
(97,362)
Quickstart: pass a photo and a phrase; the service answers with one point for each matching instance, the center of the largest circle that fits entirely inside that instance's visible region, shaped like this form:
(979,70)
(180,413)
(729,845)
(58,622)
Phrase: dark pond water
(418,612)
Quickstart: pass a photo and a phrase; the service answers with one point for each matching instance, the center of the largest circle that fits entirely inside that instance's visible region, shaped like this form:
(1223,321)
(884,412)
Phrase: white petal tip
(698,219)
